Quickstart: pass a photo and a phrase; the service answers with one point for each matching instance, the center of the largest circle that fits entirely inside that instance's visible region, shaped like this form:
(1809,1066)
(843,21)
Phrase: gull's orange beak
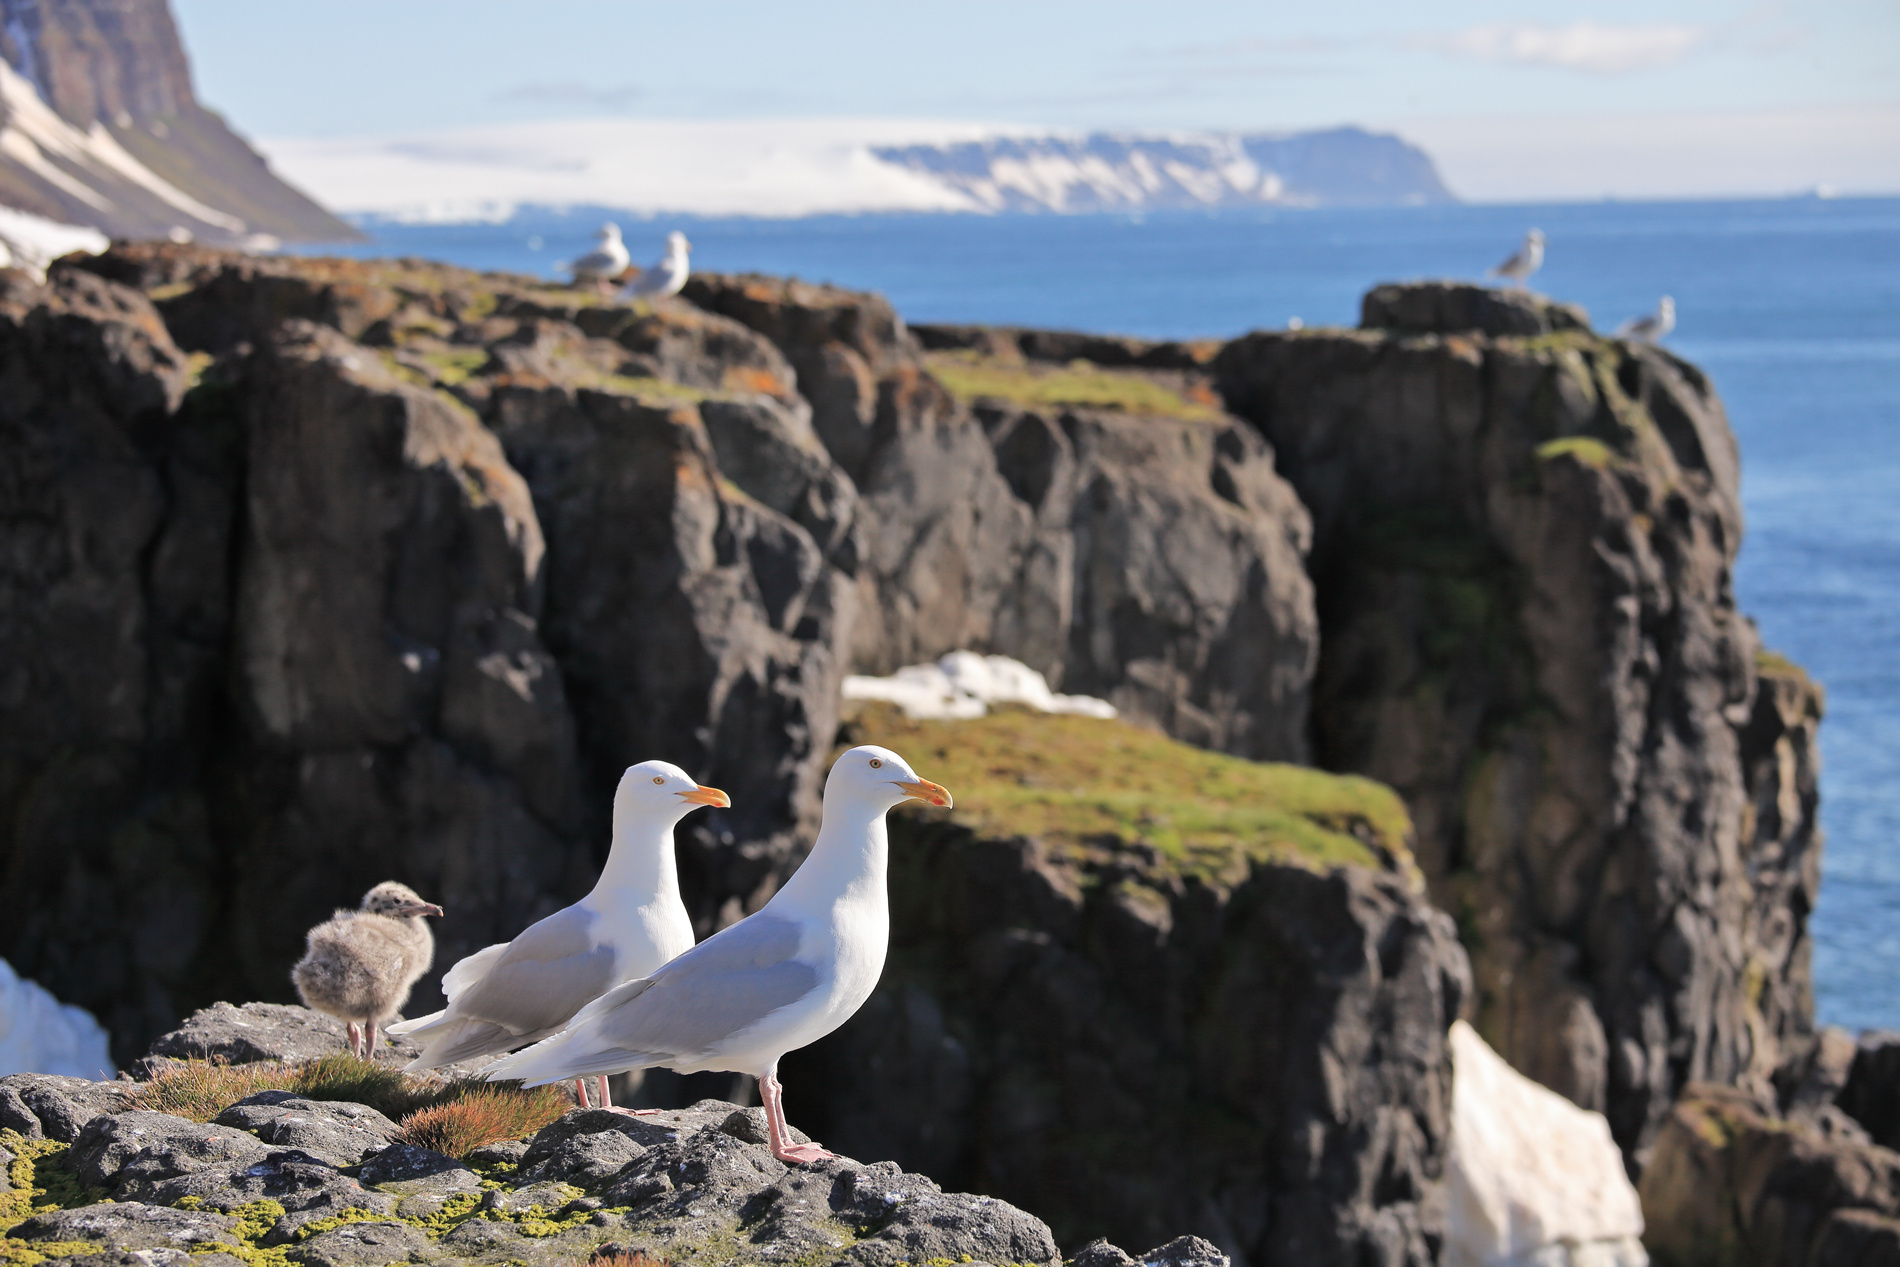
(924,790)
(707,796)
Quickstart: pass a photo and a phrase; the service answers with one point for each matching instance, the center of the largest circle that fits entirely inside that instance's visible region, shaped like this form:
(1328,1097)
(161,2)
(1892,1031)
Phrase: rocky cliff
(1524,536)
(103,129)
(320,572)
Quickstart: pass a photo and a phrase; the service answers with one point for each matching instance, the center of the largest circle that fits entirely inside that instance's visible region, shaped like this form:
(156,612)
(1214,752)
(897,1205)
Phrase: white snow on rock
(31,242)
(1534,1180)
(39,1034)
(964,684)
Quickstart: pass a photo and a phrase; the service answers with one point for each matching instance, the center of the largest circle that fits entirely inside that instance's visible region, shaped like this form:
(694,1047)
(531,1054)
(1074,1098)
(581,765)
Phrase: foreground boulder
(696,1186)
(1730,1184)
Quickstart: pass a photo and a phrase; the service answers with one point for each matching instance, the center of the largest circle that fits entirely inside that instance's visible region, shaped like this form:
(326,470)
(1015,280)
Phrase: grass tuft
(482,1113)
(1075,782)
(201,1089)
(970,375)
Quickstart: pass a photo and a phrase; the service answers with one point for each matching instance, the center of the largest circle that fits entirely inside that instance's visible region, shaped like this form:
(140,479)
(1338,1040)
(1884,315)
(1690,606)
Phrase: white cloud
(1585,46)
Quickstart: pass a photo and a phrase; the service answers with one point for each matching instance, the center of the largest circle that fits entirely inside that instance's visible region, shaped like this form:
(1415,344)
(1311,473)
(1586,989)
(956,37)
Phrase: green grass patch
(1075,781)
(455,366)
(1586,449)
(1774,664)
(970,375)
(647,389)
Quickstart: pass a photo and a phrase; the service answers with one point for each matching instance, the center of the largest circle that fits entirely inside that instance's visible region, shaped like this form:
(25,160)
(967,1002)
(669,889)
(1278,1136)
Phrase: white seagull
(773,982)
(1652,328)
(666,277)
(606,262)
(1527,259)
(521,991)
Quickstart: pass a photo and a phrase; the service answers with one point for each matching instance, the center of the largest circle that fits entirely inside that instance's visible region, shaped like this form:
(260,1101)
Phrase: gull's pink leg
(580,1092)
(782,1146)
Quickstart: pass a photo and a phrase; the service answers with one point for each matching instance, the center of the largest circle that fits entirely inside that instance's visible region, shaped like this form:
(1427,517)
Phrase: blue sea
(1792,306)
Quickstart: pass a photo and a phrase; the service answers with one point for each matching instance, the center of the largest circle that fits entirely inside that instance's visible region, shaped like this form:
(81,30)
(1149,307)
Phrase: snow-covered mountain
(795,167)
(1110,172)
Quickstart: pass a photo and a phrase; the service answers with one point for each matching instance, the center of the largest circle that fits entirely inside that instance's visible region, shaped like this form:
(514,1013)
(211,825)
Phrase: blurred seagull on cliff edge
(360,965)
(1527,259)
(633,921)
(607,261)
(1652,328)
(781,978)
(666,277)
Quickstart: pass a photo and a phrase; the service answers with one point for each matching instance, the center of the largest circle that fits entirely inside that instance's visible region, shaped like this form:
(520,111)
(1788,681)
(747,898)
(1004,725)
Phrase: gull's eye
(876,764)
(659,778)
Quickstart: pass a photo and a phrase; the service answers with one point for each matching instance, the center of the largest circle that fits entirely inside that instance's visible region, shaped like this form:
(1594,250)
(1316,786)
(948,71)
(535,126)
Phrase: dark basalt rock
(47,1106)
(131,1152)
(334,1132)
(262,1031)
(1729,1184)
(1523,553)
(365,1245)
(1872,1092)
(308,1188)
(1454,307)
(129,1225)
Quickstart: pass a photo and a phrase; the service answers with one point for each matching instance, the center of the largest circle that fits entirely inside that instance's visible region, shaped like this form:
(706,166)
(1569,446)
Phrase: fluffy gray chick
(360,965)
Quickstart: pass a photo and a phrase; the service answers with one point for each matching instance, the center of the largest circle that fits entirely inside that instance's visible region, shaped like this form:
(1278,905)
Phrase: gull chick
(608,259)
(1652,328)
(773,982)
(666,277)
(360,965)
(633,921)
(1527,259)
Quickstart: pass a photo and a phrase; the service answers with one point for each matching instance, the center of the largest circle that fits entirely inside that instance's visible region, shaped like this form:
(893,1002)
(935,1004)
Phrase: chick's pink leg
(782,1146)
(355,1034)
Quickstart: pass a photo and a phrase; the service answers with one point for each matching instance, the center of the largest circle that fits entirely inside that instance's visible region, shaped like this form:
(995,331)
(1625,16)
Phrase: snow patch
(1534,1180)
(39,1034)
(29,242)
(964,685)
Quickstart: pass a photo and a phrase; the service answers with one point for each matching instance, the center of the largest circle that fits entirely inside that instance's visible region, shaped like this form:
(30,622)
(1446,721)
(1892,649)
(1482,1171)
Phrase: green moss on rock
(1078,783)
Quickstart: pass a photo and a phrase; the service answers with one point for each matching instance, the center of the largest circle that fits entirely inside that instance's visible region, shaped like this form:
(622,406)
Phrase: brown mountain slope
(100,126)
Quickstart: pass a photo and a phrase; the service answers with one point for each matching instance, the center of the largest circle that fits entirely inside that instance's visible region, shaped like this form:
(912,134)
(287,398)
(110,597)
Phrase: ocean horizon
(1791,305)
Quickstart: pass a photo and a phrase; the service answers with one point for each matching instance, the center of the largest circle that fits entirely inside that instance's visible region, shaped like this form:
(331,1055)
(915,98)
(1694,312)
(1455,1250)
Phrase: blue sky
(1471,74)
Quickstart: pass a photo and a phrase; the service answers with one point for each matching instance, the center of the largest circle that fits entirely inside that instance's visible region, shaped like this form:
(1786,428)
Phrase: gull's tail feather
(469,1038)
(552,1061)
(412,1026)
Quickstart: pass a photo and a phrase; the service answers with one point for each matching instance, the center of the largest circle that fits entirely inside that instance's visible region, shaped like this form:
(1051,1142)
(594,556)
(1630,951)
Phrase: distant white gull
(39,1034)
(666,277)
(1652,328)
(360,965)
(773,982)
(519,992)
(1527,259)
(606,262)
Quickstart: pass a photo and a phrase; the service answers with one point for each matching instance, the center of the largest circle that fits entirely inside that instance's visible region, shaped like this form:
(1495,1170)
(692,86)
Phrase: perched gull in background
(633,921)
(606,262)
(773,982)
(360,965)
(1526,260)
(1652,328)
(666,277)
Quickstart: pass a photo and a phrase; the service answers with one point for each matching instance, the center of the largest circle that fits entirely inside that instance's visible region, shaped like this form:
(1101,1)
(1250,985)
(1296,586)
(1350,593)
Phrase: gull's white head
(1535,237)
(610,232)
(1667,308)
(676,243)
(660,789)
(882,778)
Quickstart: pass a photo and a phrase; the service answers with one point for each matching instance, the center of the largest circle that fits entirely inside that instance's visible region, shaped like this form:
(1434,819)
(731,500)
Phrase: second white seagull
(633,921)
(771,983)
